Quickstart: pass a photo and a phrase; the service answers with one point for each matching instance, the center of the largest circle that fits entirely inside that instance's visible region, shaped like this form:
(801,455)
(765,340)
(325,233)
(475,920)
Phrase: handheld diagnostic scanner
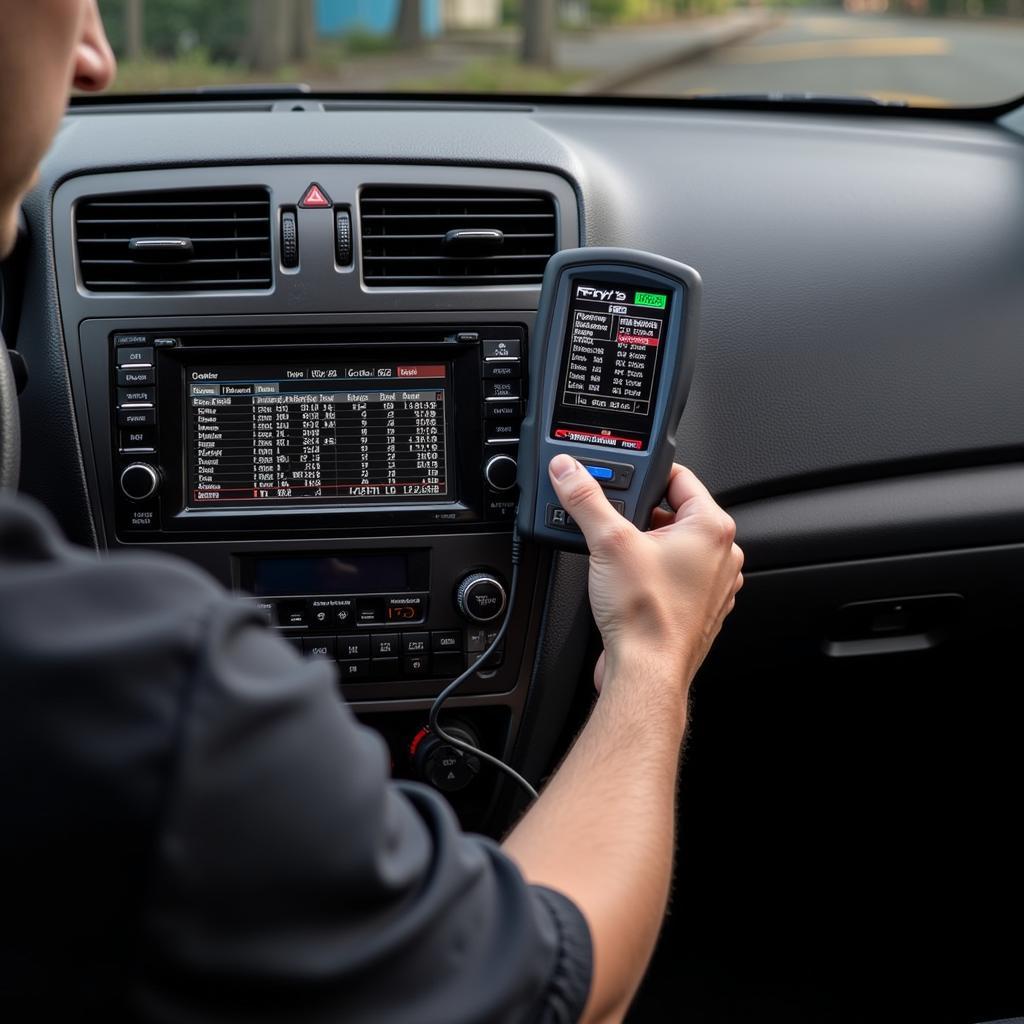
(610,367)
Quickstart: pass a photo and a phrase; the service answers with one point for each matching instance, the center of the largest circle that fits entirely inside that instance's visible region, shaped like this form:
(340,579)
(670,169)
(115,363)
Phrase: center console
(262,435)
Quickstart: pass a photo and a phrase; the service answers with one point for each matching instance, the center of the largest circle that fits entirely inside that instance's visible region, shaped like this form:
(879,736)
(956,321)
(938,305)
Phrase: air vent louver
(229,230)
(407,236)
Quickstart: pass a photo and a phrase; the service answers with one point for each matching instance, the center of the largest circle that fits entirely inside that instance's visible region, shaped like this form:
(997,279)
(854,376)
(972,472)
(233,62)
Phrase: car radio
(260,431)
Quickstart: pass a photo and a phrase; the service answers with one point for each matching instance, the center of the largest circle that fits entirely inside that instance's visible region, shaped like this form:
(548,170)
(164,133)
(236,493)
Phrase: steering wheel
(10,431)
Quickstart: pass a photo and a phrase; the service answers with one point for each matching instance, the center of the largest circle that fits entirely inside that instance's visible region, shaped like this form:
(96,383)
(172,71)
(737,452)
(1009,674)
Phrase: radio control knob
(139,481)
(500,472)
(480,597)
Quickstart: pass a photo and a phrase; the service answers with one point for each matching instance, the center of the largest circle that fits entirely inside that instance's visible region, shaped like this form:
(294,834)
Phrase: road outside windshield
(919,52)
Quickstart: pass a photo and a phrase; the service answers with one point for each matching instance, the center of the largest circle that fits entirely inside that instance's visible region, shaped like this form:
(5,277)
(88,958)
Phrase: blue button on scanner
(600,472)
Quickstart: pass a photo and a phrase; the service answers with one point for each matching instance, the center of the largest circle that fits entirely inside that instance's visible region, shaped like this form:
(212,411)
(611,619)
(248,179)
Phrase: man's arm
(603,830)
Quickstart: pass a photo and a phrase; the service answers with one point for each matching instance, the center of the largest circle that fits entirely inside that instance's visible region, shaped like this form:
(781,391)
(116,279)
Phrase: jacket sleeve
(293,881)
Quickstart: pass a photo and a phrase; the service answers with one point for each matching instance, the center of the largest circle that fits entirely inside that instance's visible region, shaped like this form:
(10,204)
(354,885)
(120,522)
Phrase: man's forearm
(603,830)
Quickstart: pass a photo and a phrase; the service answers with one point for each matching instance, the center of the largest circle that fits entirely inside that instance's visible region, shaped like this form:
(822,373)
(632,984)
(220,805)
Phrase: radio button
(416,665)
(370,611)
(127,396)
(136,417)
(354,671)
(416,643)
(266,608)
(499,350)
(502,371)
(502,431)
(495,389)
(511,409)
(386,668)
(137,440)
(354,646)
(136,378)
(385,645)
(292,613)
(446,640)
(127,357)
(332,612)
(493,662)
(321,646)
(476,640)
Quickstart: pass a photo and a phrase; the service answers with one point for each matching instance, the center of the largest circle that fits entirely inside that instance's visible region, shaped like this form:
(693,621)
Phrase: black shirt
(195,827)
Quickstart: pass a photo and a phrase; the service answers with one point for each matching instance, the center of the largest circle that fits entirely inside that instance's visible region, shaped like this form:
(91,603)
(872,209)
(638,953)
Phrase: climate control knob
(500,472)
(481,597)
(139,481)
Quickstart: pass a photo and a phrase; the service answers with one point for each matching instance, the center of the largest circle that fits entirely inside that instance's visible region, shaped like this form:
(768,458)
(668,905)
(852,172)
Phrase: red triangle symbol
(315,198)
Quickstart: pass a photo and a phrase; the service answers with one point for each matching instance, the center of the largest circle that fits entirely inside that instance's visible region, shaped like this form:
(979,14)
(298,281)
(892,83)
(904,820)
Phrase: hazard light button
(315,198)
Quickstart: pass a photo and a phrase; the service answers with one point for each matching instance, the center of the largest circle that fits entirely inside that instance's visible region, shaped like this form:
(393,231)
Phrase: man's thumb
(582,497)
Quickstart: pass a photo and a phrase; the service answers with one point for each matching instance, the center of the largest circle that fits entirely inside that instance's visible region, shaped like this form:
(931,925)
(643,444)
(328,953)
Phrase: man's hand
(658,597)
(603,830)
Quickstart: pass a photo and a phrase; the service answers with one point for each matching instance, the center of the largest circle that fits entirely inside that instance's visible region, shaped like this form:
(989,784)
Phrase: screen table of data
(285,434)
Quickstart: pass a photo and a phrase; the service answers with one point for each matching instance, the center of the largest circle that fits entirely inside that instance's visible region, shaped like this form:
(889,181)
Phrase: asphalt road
(927,61)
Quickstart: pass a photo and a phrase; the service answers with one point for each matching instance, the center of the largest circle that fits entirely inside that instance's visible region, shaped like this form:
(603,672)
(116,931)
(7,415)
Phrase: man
(197,829)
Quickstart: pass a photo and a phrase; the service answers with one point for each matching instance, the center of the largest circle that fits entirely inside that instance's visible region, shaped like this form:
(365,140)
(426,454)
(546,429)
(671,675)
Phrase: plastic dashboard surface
(864,279)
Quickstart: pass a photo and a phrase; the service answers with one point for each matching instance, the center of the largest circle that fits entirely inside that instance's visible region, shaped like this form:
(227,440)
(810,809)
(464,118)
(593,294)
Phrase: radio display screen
(336,574)
(610,366)
(345,433)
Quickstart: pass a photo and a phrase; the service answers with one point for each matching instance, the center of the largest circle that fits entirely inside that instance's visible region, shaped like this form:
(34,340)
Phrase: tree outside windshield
(919,52)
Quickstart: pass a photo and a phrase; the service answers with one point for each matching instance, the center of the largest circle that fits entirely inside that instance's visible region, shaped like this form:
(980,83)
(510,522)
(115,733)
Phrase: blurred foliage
(177,27)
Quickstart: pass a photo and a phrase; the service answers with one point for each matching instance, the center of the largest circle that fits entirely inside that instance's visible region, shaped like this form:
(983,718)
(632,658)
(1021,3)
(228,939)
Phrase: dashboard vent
(455,238)
(186,240)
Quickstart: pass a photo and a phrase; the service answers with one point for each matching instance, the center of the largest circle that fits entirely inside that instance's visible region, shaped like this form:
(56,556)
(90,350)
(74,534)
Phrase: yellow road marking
(826,49)
(826,26)
(915,99)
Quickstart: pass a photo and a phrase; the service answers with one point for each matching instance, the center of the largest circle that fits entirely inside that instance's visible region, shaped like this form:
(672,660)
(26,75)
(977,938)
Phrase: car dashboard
(856,406)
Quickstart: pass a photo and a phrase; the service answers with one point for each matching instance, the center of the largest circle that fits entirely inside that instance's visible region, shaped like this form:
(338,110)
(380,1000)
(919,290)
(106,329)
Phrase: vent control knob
(289,240)
(139,481)
(343,237)
(481,597)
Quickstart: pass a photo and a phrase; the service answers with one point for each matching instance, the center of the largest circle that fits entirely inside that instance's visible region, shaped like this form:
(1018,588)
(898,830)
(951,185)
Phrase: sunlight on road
(907,46)
(830,26)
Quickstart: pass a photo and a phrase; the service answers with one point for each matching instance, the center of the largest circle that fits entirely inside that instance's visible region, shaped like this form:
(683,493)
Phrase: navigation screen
(299,435)
(609,376)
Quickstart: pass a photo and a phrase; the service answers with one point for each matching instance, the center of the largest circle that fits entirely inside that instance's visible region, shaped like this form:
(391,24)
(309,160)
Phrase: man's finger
(686,492)
(581,496)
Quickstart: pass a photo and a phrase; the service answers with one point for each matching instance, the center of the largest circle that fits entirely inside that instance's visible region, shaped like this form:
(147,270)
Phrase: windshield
(918,52)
